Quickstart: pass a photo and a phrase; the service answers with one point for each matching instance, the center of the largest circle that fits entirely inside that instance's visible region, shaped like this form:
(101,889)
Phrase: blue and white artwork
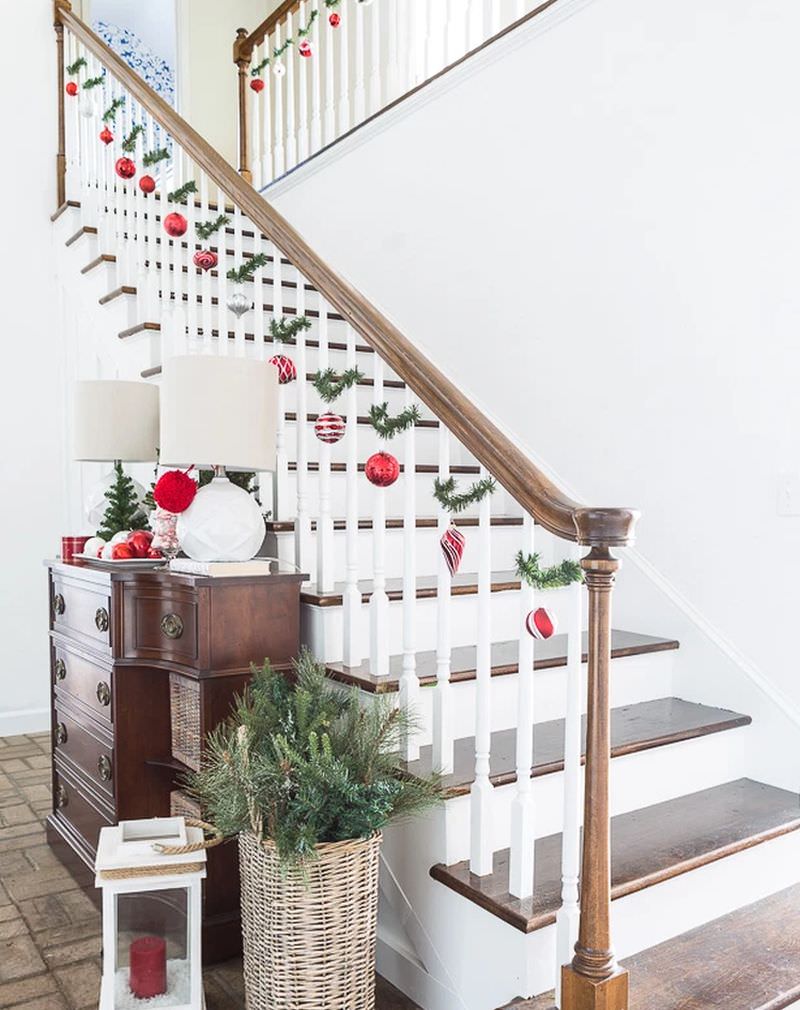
(152,68)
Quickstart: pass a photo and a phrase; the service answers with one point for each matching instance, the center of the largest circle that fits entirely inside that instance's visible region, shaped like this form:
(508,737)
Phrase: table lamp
(114,421)
(219,413)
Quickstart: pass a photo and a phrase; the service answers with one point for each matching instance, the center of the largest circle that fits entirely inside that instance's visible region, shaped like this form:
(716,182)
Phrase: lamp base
(96,503)
(223,523)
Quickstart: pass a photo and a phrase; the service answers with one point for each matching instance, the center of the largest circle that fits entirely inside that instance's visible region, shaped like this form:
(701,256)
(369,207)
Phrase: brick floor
(49,928)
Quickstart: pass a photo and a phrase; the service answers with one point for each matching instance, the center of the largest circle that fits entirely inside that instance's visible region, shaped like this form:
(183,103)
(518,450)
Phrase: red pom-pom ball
(205,259)
(71,88)
(147,184)
(125,168)
(106,135)
(174,491)
(175,224)
(257,84)
(334,19)
(382,469)
(287,372)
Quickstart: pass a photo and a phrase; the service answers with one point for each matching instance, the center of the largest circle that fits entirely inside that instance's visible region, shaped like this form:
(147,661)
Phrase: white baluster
(276,83)
(205,277)
(475,30)
(290,60)
(344,68)
(442,699)
(375,57)
(130,188)
(328,33)
(302,526)
(280,485)
(379,601)
(239,339)
(412,46)
(192,309)
(119,200)
(568,916)
(222,280)
(325,560)
(256,145)
(302,76)
(316,78)
(266,107)
(352,609)
(152,307)
(359,89)
(519,9)
(179,305)
(259,328)
(522,812)
(393,45)
(409,682)
(494,19)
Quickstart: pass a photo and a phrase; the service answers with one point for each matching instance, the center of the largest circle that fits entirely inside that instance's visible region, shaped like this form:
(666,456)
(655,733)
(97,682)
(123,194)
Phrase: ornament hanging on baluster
(206,259)
(305,49)
(334,19)
(541,623)
(125,168)
(258,84)
(175,224)
(71,89)
(147,184)
(239,303)
(106,136)
(452,543)
(287,371)
(87,107)
(382,469)
(278,68)
(329,428)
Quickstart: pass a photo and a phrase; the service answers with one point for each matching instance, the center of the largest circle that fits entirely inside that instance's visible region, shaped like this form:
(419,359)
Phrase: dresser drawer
(85,812)
(160,625)
(78,677)
(77,742)
(82,611)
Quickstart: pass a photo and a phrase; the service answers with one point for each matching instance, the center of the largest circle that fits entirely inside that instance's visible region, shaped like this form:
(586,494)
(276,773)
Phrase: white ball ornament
(329,428)
(105,553)
(279,68)
(93,546)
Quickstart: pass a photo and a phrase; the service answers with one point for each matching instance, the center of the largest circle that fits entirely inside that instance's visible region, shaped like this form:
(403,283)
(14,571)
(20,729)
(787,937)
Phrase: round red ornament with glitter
(71,88)
(147,184)
(106,135)
(329,428)
(305,49)
(174,491)
(334,19)
(382,469)
(541,623)
(287,372)
(257,84)
(205,259)
(175,224)
(125,168)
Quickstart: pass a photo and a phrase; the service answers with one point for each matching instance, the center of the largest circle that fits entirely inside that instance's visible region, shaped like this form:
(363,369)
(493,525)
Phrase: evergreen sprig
(388,427)
(93,82)
(331,385)
(153,157)
(284,330)
(179,195)
(332,3)
(444,491)
(302,32)
(73,68)
(129,143)
(205,229)
(123,511)
(244,273)
(256,70)
(563,574)
(110,115)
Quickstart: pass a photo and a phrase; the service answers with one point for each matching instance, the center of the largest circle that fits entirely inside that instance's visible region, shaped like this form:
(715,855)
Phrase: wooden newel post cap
(605,527)
(241,51)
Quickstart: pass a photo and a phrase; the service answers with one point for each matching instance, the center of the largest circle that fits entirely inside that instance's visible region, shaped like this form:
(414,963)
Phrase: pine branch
(179,195)
(302,32)
(153,157)
(110,115)
(284,330)
(244,273)
(93,82)
(256,70)
(73,68)
(444,491)
(129,143)
(205,229)
(277,53)
(563,574)
(332,3)
(330,386)
(388,427)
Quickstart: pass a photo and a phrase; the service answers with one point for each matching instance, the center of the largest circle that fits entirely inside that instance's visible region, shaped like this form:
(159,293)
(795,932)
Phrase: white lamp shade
(219,412)
(114,419)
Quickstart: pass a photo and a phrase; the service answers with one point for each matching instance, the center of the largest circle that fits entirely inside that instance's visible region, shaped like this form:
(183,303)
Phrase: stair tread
(396,523)
(649,846)
(333,345)
(634,728)
(549,653)
(462,583)
(745,960)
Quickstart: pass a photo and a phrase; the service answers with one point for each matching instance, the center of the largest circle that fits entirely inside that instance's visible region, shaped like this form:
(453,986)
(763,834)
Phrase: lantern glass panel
(153,949)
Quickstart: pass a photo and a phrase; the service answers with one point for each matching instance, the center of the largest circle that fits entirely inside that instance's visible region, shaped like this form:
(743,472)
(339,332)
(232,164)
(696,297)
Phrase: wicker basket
(309,940)
(184,700)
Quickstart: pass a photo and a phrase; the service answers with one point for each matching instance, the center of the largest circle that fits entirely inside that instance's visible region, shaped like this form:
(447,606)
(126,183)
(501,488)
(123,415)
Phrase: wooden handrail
(244,46)
(515,472)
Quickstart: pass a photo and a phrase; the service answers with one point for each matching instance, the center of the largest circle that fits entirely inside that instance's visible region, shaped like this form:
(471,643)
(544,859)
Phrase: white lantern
(151,914)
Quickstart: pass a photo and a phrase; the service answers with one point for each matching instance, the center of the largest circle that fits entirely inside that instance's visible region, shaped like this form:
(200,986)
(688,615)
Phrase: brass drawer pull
(101,619)
(61,797)
(60,669)
(104,768)
(61,733)
(59,606)
(103,693)
(172,625)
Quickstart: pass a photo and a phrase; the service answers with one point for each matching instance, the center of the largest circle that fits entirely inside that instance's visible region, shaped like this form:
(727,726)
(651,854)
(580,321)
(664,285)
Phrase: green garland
(330,4)
(244,273)
(330,385)
(153,157)
(388,427)
(73,68)
(129,143)
(93,82)
(563,574)
(279,51)
(110,115)
(283,330)
(179,195)
(205,229)
(302,32)
(444,491)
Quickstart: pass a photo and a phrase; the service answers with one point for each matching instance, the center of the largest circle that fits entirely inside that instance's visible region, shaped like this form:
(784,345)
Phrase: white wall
(597,234)
(32,498)
(152,20)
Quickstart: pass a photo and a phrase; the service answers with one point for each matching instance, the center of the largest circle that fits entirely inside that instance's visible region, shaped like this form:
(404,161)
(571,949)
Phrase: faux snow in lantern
(151,914)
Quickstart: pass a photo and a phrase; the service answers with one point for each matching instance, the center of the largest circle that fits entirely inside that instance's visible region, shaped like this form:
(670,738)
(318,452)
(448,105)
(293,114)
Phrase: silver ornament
(239,303)
(87,107)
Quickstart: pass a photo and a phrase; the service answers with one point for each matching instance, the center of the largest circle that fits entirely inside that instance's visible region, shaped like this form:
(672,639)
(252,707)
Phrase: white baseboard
(24,720)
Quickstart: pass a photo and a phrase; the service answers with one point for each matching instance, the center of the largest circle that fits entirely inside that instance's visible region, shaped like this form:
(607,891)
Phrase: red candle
(148,975)
(70,546)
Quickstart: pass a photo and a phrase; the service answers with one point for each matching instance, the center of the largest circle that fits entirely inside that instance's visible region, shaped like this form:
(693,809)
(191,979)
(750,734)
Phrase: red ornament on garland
(175,224)
(452,544)
(71,88)
(334,19)
(174,491)
(305,49)
(147,184)
(329,428)
(106,135)
(382,469)
(257,84)
(125,168)
(287,372)
(205,259)
(541,623)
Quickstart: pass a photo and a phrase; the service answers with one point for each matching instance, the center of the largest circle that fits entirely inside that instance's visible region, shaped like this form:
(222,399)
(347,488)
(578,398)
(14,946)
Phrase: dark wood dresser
(143,664)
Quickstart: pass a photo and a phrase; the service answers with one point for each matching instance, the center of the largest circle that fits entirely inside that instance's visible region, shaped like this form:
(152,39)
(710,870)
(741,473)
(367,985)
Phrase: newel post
(61,155)
(594,980)
(242,57)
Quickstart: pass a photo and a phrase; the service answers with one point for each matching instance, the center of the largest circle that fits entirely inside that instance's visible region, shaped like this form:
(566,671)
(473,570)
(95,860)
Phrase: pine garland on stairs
(110,115)
(205,229)
(244,273)
(180,194)
(153,157)
(444,491)
(129,143)
(284,330)
(563,574)
(73,68)
(331,385)
(386,426)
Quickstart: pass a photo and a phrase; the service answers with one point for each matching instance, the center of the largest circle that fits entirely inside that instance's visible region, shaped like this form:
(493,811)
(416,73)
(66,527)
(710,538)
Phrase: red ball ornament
(174,491)
(334,19)
(305,49)
(382,469)
(329,428)
(106,135)
(125,168)
(147,184)
(175,224)
(541,623)
(205,259)
(257,84)
(452,544)
(287,372)
(71,88)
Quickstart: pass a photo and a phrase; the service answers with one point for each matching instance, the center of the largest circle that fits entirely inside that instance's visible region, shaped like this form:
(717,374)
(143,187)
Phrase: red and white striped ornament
(287,372)
(452,544)
(541,623)
(329,428)
(205,259)
(305,49)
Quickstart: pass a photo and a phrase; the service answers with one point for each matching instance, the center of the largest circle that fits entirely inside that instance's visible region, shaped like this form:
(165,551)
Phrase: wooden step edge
(123,289)
(102,258)
(388,384)
(333,345)
(85,230)
(395,523)
(502,582)
(363,420)
(139,328)
(63,208)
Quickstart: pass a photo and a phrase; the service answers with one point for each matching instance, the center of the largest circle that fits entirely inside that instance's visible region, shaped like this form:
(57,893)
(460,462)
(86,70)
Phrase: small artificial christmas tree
(124,511)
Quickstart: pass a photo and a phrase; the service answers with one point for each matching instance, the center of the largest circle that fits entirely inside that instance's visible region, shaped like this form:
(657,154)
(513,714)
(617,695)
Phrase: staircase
(480,902)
